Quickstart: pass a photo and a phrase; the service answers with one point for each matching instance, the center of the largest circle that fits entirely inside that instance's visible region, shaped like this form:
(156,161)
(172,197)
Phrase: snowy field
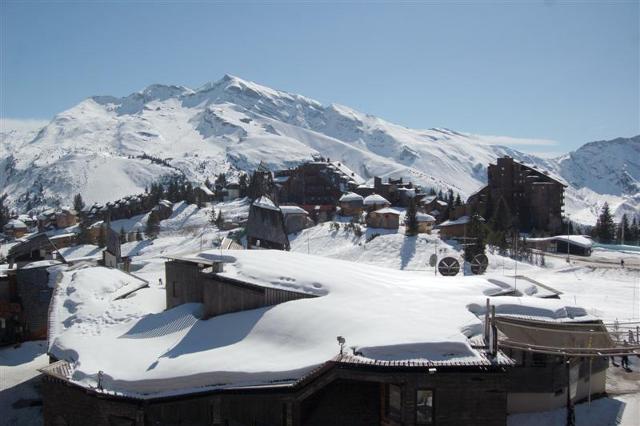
(604,291)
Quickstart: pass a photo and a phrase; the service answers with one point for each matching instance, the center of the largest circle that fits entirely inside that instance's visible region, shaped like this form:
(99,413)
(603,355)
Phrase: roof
(206,190)
(287,210)
(389,316)
(41,264)
(578,240)
(375,199)
(459,221)
(423,217)
(15,224)
(265,203)
(387,210)
(351,196)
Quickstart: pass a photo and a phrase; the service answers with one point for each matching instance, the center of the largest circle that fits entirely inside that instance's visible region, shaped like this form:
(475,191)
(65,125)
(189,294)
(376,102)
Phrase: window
(174,289)
(393,408)
(424,407)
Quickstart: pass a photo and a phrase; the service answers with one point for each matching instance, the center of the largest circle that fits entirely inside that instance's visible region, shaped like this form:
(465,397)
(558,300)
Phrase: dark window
(394,402)
(538,360)
(174,287)
(424,407)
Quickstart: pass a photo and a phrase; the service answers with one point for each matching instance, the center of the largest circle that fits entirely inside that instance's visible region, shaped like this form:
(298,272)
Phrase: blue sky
(565,72)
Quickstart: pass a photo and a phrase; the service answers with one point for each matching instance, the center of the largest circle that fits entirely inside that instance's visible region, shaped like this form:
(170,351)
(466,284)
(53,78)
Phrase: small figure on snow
(622,263)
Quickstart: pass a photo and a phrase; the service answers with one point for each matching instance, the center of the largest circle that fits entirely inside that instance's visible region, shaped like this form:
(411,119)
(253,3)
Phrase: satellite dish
(433,260)
(449,267)
(479,264)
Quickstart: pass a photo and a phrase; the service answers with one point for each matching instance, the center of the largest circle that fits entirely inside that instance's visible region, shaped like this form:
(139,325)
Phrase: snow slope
(107,147)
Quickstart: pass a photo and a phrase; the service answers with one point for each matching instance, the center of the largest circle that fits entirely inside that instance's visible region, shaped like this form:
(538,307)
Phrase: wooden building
(457,228)
(32,248)
(295,219)
(578,245)
(351,204)
(375,202)
(15,228)
(425,223)
(197,280)
(203,195)
(265,227)
(534,197)
(386,218)
(343,392)
(315,183)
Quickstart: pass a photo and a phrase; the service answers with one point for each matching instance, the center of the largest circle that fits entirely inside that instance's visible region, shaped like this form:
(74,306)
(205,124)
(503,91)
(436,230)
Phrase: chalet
(295,219)
(457,228)
(436,208)
(534,197)
(315,183)
(579,245)
(32,248)
(66,217)
(203,195)
(375,202)
(351,204)
(425,223)
(232,191)
(395,190)
(111,256)
(15,228)
(266,227)
(386,218)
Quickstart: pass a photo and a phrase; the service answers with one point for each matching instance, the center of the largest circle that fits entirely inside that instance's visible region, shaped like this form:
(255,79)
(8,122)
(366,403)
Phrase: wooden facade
(337,394)
(192,282)
(266,228)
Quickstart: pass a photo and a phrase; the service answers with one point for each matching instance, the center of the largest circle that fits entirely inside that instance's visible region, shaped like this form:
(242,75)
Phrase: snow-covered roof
(459,221)
(578,240)
(423,217)
(15,224)
(351,196)
(385,314)
(41,264)
(387,210)
(265,203)
(292,210)
(375,199)
(206,190)
(280,179)
(348,172)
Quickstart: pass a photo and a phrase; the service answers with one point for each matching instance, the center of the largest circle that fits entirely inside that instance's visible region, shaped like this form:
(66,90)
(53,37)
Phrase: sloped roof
(375,199)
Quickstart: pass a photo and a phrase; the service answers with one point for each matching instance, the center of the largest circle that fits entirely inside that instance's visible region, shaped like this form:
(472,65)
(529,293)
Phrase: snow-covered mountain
(107,147)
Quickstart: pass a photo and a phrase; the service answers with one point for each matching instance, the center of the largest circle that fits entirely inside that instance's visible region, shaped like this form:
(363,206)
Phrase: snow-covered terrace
(386,315)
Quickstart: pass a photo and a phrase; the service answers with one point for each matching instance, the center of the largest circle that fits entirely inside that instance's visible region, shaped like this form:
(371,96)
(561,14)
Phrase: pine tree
(78,203)
(243,185)
(635,232)
(605,228)
(458,201)
(4,212)
(502,220)
(123,236)
(153,225)
(212,216)
(411,219)
(624,230)
(219,220)
(477,234)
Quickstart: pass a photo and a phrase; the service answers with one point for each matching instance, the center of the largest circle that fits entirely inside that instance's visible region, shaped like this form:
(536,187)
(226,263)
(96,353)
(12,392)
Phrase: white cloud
(21,124)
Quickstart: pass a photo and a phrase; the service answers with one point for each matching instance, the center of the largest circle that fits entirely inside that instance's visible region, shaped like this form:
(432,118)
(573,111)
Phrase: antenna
(341,342)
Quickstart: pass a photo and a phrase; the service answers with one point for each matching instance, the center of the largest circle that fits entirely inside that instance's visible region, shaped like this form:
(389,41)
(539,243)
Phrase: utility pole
(568,239)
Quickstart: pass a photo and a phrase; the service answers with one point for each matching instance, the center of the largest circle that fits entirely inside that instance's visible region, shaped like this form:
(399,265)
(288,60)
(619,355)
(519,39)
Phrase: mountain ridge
(232,125)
